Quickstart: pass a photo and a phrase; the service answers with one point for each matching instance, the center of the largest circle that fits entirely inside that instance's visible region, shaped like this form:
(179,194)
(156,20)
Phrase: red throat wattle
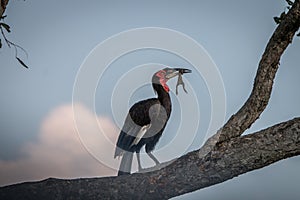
(162,79)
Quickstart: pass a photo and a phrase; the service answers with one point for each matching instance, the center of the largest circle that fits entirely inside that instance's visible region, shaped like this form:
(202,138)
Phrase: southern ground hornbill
(146,121)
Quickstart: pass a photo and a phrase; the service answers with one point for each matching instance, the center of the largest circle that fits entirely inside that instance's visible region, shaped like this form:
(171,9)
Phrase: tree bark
(225,155)
(263,82)
(3,4)
(188,173)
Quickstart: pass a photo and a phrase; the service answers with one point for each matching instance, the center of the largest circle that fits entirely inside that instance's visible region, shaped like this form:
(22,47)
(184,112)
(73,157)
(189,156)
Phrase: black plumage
(146,121)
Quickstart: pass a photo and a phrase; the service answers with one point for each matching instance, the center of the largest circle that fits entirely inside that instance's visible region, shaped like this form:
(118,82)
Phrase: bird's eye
(162,72)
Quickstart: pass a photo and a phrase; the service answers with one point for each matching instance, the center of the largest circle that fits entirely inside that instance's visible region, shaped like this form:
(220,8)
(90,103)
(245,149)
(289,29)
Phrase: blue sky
(59,35)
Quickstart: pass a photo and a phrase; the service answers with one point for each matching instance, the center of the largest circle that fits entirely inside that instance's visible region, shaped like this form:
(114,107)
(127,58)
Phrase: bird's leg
(139,161)
(153,158)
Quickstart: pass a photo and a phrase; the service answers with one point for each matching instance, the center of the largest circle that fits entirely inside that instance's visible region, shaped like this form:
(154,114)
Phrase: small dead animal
(180,82)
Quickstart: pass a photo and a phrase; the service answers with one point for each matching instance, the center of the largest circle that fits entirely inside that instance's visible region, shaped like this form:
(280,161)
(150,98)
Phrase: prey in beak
(181,71)
(172,72)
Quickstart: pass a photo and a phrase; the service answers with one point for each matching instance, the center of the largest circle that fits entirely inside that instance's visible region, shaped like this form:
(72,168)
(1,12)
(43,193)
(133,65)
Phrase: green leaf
(6,26)
(22,63)
(289,2)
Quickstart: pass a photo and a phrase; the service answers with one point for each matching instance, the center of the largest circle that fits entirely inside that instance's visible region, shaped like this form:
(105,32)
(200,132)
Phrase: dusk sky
(61,117)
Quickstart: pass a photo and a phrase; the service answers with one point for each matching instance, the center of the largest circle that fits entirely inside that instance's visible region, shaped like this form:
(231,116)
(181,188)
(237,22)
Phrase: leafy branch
(5,27)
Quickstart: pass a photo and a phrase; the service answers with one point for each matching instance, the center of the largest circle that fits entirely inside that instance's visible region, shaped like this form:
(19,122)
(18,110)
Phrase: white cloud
(61,151)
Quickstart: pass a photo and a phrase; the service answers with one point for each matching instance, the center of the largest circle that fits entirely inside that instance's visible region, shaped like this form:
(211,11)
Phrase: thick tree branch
(189,173)
(224,156)
(263,82)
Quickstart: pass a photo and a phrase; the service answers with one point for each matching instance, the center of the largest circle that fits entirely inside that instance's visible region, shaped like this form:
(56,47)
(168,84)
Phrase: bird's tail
(125,166)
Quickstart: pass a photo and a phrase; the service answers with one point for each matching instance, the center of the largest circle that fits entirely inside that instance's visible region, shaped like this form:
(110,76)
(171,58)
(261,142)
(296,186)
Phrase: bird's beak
(177,71)
(183,70)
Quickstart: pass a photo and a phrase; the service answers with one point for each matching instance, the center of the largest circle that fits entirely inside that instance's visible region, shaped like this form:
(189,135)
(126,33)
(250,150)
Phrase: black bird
(146,121)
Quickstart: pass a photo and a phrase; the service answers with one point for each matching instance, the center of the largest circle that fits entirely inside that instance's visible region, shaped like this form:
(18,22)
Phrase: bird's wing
(130,135)
(146,125)
(141,134)
(145,119)
(159,117)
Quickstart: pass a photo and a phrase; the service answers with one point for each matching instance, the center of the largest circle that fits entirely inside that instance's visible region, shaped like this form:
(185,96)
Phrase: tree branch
(224,156)
(189,173)
(3,4)
(263,82)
